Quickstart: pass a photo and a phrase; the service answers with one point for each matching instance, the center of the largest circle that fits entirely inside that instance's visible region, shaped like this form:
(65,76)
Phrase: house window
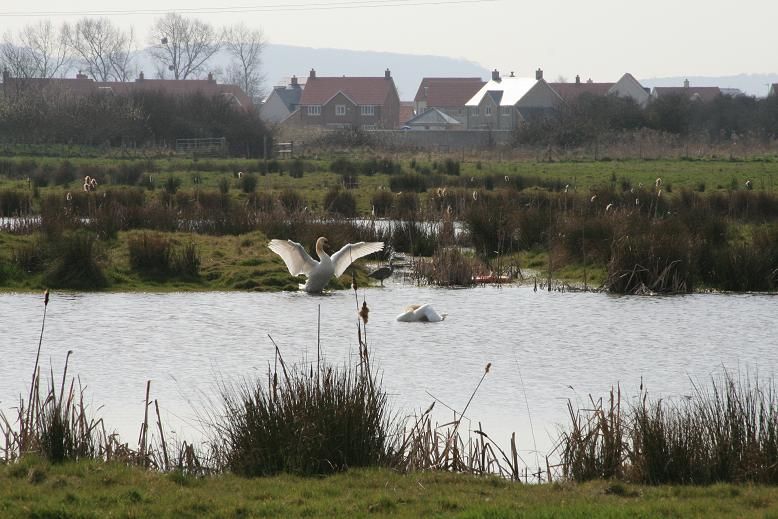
(368,110)
(487,110)
(474,111)
(340,110)
(369,127)
(506,110)
(314,109)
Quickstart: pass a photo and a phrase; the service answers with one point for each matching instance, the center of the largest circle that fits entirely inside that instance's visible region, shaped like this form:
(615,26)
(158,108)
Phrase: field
(688,224)
(85,490)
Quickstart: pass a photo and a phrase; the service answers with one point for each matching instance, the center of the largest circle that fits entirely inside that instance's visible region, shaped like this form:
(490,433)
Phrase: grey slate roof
(290,96)
(433,117)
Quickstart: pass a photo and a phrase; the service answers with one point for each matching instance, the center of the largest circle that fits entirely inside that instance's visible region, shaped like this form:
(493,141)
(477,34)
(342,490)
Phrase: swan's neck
(320,252)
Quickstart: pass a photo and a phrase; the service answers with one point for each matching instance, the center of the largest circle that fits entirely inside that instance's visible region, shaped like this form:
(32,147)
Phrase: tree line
(180,47)
(591,118)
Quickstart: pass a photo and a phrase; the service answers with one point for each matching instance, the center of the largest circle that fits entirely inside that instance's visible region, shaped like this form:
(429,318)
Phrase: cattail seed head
(46,298)
(363,313)
(488,367)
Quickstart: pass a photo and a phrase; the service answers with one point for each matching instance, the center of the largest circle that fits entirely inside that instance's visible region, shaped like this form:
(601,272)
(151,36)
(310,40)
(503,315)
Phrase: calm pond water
(545,347)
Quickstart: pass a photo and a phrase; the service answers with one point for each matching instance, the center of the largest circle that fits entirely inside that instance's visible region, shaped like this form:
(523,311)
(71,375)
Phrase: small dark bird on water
(382,273)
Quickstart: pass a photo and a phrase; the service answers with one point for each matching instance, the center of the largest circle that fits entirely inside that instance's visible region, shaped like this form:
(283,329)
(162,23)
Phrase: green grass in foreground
(92,489)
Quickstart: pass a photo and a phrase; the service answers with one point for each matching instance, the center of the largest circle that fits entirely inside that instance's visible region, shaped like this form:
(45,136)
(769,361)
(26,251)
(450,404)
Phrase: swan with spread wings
(319,273)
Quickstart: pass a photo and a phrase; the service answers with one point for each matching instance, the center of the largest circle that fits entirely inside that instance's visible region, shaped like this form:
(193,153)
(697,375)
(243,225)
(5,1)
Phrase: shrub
(291,200)
(297,168)
(340,202)
(408,182)
(248,182)
(382,203)
(75,264)
(172,184)
(150,253)
(65,173)
(224,185)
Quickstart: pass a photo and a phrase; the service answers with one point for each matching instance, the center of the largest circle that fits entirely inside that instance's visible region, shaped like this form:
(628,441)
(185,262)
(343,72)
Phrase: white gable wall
(628,86)
(540,96)
(274,110)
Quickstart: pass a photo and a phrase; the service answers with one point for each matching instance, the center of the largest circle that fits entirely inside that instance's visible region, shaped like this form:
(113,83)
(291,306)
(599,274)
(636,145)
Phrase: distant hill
(281,61)
(751,84)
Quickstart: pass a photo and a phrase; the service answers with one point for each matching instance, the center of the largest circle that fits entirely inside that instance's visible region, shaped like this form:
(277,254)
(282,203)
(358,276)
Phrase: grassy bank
(30,262)
(88,489)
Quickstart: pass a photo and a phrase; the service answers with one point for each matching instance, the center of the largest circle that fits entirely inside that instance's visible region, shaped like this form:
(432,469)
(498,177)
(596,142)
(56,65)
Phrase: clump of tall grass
(448,267)
(302,422)
(155,255)
(340,202)
(75,263)
(725,432)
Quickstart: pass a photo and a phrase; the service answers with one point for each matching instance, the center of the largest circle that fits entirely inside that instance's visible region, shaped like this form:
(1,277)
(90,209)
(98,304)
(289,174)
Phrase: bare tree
(182,46)
(245,47)
(38,51)
(103,49)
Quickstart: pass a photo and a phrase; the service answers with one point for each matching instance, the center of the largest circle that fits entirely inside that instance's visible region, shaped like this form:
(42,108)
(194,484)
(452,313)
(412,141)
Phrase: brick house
(349,102)
(704,94)
(625,87)
(82,86)
(447,94)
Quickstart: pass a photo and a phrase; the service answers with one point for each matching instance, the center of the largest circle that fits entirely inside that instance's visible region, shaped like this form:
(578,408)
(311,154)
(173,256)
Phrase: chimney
(577,79)
(686,83)
(294,82)
(312,75)
(512,74)
(539,74)
(495,75)
(6,75)
(210,76)
(141,77)
(81,75)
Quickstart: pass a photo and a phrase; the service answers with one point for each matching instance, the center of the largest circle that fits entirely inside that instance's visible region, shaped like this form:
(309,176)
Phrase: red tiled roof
(570,91)
(361,90)
(406,112)
(705,93)
(448,91)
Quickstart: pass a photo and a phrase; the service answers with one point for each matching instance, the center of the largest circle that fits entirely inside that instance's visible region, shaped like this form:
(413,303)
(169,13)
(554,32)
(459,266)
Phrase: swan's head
(321,243)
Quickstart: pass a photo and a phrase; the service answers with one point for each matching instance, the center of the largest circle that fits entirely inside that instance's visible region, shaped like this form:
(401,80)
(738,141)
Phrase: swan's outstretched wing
(353,251)
(297,260)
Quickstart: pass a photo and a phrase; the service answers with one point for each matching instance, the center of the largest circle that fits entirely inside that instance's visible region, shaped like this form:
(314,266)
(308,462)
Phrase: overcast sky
(600,39)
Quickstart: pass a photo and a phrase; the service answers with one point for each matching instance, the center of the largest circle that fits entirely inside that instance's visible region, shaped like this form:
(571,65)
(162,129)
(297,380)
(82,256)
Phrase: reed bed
(726,431)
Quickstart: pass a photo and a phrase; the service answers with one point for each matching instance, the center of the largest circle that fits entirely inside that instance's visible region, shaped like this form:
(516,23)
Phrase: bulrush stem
(38,355)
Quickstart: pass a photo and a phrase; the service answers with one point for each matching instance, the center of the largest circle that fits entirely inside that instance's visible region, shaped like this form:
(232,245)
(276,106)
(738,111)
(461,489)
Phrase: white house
(281,102)
(628,86)
(505,102)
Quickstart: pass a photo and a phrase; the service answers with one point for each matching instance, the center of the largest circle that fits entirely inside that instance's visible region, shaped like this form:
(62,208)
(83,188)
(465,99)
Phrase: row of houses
(442,103)
(502,103)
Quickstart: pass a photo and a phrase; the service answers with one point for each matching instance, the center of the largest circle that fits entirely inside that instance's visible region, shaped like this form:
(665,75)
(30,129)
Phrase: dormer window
(487,110)
(340,110)
(314,110)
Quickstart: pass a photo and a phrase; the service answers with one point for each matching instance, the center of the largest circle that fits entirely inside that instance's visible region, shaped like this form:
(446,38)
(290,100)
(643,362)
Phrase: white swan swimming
(320,272)
(420,314)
